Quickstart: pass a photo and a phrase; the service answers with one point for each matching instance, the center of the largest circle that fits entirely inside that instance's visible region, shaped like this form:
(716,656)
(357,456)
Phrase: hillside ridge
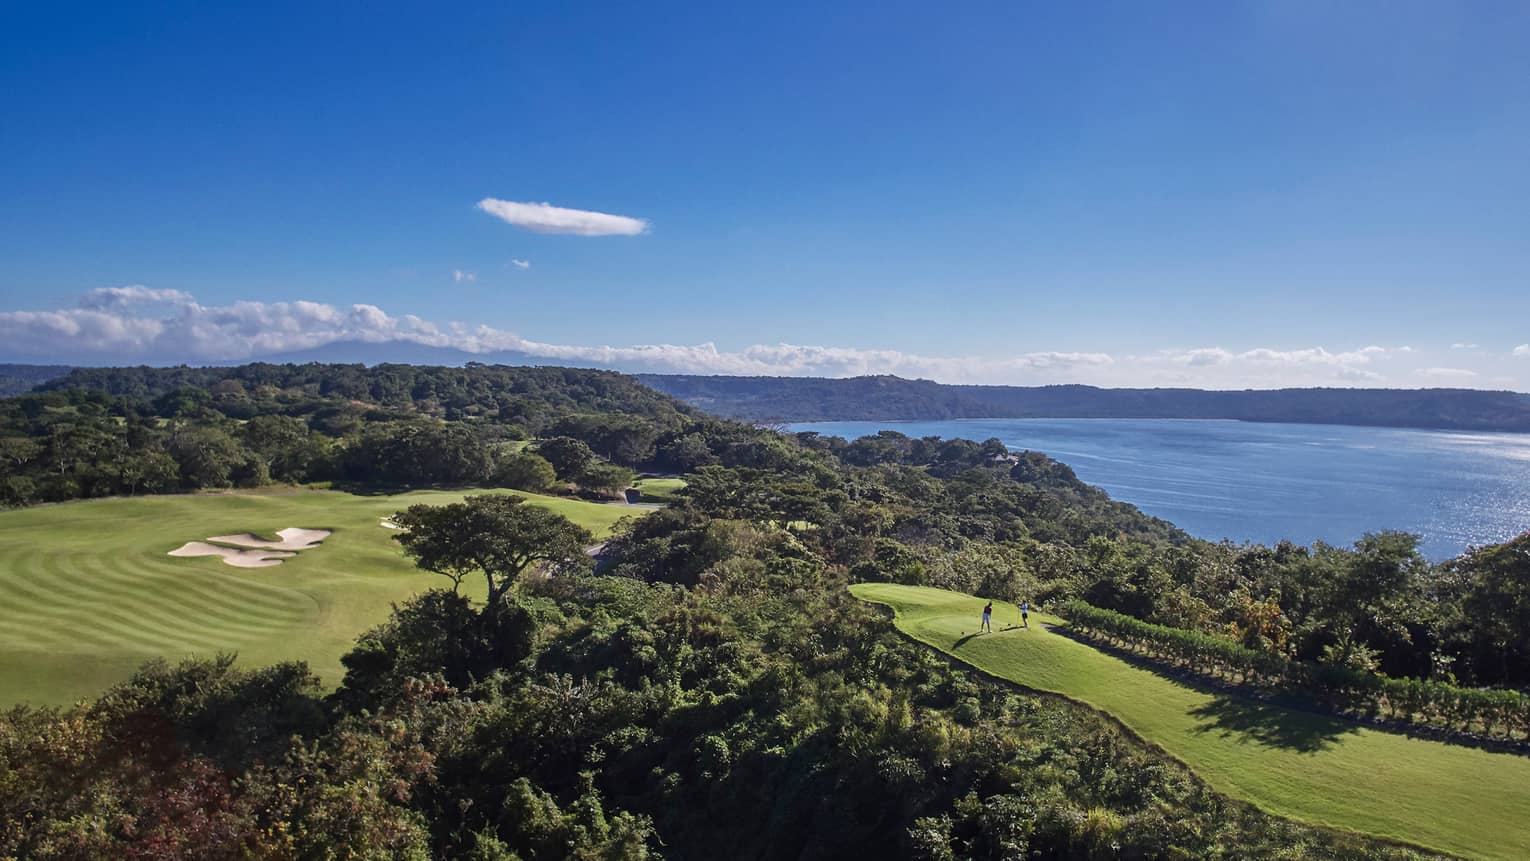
(890,398)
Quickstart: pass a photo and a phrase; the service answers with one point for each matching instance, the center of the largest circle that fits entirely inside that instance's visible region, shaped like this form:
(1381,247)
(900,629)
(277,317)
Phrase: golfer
(987,616)
(1025,614)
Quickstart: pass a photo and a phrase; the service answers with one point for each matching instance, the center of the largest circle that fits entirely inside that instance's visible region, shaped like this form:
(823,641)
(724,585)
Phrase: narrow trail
(1315,768)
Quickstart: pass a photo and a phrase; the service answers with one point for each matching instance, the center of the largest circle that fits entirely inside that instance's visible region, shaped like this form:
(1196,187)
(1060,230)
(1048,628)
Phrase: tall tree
(526,471)
(569,456)
(499,537)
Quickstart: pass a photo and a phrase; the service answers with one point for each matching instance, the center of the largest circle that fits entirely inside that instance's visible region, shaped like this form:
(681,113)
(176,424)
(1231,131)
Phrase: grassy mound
(1305,766)
(89,592)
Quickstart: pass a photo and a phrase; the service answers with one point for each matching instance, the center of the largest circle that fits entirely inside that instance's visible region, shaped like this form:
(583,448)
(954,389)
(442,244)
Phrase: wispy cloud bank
(1522,350)
(521,264)
(137,324)
(1446,373)
(1312,365)
(460,276)
(133,294)
(1463,346)
(546,218)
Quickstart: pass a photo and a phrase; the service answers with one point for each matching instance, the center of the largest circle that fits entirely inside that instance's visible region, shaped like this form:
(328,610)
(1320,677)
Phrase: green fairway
(659,489)
(87,592)
(1317,769)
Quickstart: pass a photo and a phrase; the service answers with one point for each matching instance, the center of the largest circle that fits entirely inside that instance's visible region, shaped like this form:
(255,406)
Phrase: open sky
(1221,194)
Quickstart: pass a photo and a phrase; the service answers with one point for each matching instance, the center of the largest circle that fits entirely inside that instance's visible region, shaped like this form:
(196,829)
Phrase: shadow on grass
(1240,719)
(1299,707)
(356,488)
(1241,713)
(964,640)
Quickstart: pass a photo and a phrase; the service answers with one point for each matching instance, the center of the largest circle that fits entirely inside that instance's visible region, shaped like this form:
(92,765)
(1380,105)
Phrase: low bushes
(1501,714)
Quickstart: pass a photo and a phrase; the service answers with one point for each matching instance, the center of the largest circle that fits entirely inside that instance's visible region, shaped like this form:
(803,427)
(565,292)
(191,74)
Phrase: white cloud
(1217,367)
(1463,346)
(459,276)
(1446,373)
(546,218)
(1314,356)
(192,332)
(1201,357)
(521,264)
(1522,350)
(116,297)
(129,325)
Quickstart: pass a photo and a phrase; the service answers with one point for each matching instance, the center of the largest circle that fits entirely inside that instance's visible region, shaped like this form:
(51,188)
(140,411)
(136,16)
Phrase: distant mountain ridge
(888,398)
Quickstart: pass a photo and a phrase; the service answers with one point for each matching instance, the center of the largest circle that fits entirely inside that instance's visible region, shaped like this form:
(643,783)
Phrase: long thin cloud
(136,324)
(546,218)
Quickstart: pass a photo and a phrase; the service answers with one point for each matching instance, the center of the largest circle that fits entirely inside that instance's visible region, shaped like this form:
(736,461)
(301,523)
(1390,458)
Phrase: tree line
(102,432)
(1496,714)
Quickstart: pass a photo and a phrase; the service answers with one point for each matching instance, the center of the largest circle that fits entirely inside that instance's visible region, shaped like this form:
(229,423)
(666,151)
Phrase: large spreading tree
(498,536)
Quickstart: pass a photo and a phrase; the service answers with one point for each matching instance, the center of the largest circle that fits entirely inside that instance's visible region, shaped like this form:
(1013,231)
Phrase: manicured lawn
(1321,770)
(659,489)
(87,592)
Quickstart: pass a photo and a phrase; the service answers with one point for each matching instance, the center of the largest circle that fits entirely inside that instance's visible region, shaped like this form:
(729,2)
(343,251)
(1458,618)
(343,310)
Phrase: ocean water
(1265,482)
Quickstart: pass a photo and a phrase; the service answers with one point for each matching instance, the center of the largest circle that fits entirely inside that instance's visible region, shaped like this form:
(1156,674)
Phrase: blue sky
(1216,194)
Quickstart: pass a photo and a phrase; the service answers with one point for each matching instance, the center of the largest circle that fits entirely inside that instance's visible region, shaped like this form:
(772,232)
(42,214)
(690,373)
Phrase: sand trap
(236,558)
(388,524)
(257,552)
(292,538)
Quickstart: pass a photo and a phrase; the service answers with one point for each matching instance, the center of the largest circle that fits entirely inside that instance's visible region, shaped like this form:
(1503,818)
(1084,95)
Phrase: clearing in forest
(1310,767)
(89,590)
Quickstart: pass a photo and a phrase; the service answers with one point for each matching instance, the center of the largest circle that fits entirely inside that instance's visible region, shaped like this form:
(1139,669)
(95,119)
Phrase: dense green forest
(887,398)
(710,689)
(16,379)
(101,432)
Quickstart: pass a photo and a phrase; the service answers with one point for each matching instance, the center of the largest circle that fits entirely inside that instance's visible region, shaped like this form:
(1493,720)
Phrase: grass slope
(660,489)
(1309,767)
(89,594)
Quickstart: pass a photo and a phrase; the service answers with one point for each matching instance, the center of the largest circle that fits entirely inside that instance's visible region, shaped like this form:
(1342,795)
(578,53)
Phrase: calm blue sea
(1265,482)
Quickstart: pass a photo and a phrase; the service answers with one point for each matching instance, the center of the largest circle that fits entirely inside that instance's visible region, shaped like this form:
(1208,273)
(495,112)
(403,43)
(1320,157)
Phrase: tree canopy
(497,536)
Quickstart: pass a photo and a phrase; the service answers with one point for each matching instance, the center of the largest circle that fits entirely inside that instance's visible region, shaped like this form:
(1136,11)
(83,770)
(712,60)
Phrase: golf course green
(89,593)
(1317,769)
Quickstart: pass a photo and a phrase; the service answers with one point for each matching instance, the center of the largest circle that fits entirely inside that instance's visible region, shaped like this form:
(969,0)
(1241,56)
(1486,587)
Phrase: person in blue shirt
(1025,614)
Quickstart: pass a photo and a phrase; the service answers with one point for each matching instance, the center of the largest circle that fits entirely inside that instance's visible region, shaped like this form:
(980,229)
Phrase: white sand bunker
(292,538)
(251,551)
(388,524)
(231,556)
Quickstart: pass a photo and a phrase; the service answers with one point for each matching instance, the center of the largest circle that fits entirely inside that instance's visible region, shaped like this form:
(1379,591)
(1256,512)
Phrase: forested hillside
(884,398)
(710,689)
(15,379)
(107,431)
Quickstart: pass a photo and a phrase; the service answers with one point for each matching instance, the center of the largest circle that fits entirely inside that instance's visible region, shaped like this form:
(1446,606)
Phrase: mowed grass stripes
(87,592)
(1318,769)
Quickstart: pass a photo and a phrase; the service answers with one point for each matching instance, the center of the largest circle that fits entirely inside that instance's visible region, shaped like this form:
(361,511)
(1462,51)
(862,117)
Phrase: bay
(1267,482)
